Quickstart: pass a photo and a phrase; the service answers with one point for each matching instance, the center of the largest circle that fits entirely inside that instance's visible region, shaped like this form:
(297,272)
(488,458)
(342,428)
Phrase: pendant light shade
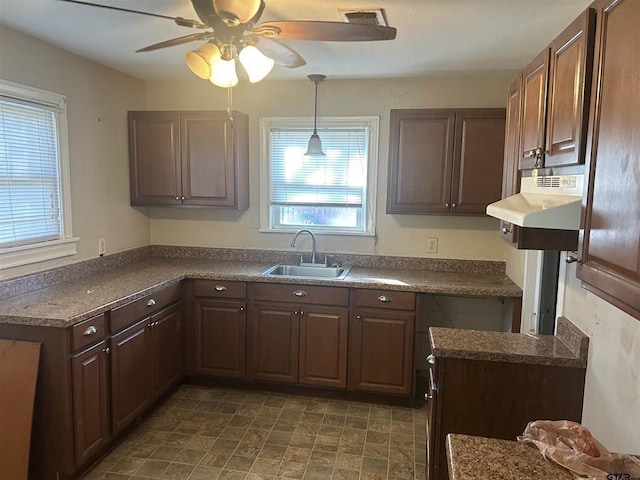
(315,144)
(256,64)
(223,73)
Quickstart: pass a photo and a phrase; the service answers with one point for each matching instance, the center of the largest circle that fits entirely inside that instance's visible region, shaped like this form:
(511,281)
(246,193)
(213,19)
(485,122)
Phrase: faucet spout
(313,239)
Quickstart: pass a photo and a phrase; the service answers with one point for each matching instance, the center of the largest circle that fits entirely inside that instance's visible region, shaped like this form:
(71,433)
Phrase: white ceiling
(433,35)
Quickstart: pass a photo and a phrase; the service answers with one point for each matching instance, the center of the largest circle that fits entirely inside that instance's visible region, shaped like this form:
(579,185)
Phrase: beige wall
(459,237)
(612,392)
(97,102)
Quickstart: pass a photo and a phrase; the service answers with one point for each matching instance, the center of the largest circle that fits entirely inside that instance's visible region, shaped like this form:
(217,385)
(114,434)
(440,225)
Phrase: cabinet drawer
(129,313)
(219,289)
(88,331)
(304,294)
(385,299)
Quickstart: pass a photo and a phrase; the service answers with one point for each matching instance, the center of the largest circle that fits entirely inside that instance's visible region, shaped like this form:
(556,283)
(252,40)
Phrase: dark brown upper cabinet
(609,250)
(555,92)
(196,158)
(446,162)
(518,237)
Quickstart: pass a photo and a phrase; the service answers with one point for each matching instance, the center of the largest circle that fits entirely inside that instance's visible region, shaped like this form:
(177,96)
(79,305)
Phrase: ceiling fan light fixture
(202,59)
(315,144)
(223,73)
(234,12)
(256,64)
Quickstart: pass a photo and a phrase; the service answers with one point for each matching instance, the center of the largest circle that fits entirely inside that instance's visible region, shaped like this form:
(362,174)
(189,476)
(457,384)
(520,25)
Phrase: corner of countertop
(574,338)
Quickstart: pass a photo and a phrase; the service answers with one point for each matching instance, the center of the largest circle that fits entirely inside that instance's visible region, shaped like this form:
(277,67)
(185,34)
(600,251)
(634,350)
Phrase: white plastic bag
(572,446)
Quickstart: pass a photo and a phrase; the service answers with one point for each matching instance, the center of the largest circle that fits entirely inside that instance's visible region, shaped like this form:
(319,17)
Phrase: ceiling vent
(369,16)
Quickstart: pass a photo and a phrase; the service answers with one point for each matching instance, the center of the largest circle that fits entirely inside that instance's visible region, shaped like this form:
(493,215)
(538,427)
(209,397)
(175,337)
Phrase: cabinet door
(534,110)
(130,374)
(609,243)
(478,159)
(381,351)
(208,168)
(90,401)
(420,161)
(323,346)
(154,158)
(275,339)
(510,171)
(569,89)
(220,338)
(166,351)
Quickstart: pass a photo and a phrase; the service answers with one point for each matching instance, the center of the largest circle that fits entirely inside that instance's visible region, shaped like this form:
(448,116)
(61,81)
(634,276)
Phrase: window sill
(318,232)
(38,252)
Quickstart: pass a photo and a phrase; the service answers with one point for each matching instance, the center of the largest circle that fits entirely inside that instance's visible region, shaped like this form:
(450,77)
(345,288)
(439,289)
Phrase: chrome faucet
(313,238)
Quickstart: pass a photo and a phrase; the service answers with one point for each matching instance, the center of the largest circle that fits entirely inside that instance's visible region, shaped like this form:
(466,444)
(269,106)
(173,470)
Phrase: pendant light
(315,145)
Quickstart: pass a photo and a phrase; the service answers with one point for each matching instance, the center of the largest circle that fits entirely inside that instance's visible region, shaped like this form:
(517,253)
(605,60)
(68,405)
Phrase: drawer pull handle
(90,331)
(300,293)
(385,299)
(220,288)
(151,303)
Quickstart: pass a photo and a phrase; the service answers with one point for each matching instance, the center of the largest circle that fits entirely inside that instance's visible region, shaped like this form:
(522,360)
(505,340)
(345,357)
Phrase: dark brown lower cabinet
(220,338)
(145,362)
(381,351)
(166,351)
(323,346)
(90,374)
(495,399)
(130,373)
(275,340)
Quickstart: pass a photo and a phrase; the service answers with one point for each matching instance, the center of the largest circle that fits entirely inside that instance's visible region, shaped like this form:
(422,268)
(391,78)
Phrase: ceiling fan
(230,30)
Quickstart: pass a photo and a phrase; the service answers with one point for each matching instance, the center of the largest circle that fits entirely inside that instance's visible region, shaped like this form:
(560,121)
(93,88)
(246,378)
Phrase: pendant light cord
(315,111)
(230,105)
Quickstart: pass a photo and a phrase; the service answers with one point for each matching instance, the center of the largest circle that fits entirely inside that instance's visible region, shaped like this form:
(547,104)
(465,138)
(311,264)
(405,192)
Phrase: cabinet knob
(530,153)
(178,198)
(385,299)
(151,302)
(300,293)
(446,205)
(90,331)
(301,312)
(220,288)
(242,309)
(182,198)
(431,360)
(428,396)
(506,230)
(106,350)
(454,205)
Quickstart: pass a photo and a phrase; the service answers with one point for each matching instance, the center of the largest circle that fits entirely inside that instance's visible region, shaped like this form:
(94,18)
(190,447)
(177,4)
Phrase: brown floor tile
(202,433)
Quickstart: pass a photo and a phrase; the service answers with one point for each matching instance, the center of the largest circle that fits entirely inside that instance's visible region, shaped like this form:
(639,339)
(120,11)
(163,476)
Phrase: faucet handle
(301,259)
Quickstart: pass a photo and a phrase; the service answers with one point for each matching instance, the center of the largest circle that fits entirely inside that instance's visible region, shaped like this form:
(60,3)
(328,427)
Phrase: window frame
(372,123)
(66,244)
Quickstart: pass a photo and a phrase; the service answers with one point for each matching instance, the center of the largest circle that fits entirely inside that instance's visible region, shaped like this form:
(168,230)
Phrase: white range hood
(543,202)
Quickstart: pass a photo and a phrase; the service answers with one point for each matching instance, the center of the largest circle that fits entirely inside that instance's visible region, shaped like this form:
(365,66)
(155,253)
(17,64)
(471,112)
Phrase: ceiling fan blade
(183,22)
(325,31)
(283,55)
(177,41)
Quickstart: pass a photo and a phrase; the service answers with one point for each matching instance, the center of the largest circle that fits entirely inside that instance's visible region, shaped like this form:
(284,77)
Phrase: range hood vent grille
(548,182)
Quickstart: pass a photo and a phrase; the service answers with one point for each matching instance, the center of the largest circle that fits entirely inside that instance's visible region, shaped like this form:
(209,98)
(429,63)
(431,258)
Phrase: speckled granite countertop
(479,458)
(69,302)
(567,348)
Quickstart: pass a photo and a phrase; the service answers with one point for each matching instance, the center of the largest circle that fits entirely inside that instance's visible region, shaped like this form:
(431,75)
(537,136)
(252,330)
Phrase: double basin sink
(309,270)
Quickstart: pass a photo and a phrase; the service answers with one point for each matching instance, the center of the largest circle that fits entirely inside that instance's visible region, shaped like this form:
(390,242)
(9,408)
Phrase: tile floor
(201,433)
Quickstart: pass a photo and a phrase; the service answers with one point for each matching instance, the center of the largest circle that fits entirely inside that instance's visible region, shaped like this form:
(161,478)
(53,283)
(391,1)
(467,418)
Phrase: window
(334,193)
(35,217)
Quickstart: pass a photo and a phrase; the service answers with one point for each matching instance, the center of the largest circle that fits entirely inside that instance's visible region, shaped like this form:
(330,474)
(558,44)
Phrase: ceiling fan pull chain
(230,106)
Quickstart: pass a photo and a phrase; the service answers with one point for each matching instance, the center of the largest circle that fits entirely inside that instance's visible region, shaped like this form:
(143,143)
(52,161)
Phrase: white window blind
(29,176)
(337,179)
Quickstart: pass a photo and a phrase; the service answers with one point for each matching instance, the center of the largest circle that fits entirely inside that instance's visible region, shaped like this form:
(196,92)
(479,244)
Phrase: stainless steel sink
(307,271)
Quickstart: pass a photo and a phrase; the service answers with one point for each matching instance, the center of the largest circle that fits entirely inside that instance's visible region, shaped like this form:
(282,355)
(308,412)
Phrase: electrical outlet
(102,246)
(432,244)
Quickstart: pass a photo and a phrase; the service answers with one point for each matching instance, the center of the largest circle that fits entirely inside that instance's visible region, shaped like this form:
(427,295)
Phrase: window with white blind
(333,193)
(35,223)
